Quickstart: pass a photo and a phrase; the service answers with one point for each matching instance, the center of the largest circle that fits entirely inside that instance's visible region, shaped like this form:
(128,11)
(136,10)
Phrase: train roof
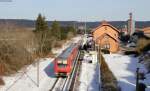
(66,52)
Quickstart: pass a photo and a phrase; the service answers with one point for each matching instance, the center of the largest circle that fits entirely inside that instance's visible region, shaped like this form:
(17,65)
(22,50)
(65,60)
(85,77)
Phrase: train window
(62,65)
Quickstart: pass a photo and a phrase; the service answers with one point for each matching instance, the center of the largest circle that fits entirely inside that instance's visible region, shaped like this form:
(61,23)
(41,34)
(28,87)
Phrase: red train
(64,63)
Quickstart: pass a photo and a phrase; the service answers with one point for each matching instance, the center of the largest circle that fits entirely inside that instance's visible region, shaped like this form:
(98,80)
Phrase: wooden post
(1,73)
(1,69)
(137,79)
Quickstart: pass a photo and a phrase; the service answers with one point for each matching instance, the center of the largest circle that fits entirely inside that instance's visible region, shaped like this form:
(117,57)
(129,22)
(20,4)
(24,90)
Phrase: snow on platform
(89,77)
(124,69)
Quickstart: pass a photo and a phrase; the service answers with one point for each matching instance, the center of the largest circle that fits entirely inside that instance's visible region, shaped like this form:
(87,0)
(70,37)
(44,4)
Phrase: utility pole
(38,73)
(74,25)
(85,27)
(100,59)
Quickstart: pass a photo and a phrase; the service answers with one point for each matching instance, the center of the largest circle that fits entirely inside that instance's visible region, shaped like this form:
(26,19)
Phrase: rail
(69,84)
(54,84)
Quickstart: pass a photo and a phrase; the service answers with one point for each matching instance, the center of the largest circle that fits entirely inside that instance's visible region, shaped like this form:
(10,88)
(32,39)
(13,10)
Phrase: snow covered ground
(124,69)
(147,81)
(89,76)
(28,81)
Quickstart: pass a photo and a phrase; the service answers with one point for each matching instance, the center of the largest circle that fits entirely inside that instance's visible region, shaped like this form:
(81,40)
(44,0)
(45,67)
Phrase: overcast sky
(76,10)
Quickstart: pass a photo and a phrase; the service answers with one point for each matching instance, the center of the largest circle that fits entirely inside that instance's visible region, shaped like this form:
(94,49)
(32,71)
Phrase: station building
(107,36)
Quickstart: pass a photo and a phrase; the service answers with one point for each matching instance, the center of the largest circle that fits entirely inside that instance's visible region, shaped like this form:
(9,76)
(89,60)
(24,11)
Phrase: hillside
(31,23)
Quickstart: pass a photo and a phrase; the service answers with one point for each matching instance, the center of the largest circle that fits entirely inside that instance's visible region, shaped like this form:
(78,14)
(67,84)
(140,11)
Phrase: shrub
(110,87)
(14,57)
(1,82)
(58,44)
(131,52)
(142,44)
(70,35)
(44,43)
(16,49)
(109,82)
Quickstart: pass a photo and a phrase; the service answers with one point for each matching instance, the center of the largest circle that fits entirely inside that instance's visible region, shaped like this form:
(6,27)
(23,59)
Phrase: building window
(106,37)
(105,27)
(106,46)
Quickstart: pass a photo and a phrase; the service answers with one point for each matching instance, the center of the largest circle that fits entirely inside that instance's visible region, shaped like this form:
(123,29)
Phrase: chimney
(130,21)
(104,22)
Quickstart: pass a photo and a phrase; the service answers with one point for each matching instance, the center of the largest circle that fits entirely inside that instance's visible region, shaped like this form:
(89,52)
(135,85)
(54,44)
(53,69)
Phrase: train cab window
(62,65)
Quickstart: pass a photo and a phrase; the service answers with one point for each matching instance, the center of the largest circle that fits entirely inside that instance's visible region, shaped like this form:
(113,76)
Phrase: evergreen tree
(72,29)
(67,30)
(55,30)
(64,32)
(43,34)
(45,26)
(41,24)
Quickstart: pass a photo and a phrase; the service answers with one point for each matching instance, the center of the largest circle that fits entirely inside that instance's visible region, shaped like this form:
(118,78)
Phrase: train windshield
(62,65)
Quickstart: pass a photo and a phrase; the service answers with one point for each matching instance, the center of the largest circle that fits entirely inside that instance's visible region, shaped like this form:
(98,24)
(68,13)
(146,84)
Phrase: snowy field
(124,69)
(28,81)
(89,76)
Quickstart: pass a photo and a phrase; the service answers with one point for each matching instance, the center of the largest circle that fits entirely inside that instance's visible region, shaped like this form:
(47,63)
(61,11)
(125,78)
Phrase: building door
(106,48)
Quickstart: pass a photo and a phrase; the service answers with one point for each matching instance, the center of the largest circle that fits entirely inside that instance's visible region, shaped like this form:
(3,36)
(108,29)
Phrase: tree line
(49,37)
(21,46)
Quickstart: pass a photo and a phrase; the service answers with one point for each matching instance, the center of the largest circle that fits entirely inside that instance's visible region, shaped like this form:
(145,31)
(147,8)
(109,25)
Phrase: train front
(61,67)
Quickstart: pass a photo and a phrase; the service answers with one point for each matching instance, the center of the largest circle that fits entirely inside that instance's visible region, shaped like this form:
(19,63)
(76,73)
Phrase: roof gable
(107,35)
(104,23)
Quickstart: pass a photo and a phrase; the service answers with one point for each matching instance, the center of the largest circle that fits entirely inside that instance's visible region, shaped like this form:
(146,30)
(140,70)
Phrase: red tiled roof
(104,23)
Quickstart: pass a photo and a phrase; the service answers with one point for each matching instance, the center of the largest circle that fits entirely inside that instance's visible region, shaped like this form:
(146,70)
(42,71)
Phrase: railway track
(59,84)
(54,84)
(73,84)
(66,84)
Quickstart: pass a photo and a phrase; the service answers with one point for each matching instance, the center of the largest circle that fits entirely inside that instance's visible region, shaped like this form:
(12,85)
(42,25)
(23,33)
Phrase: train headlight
(65,62)
(59,62)
(62,62)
